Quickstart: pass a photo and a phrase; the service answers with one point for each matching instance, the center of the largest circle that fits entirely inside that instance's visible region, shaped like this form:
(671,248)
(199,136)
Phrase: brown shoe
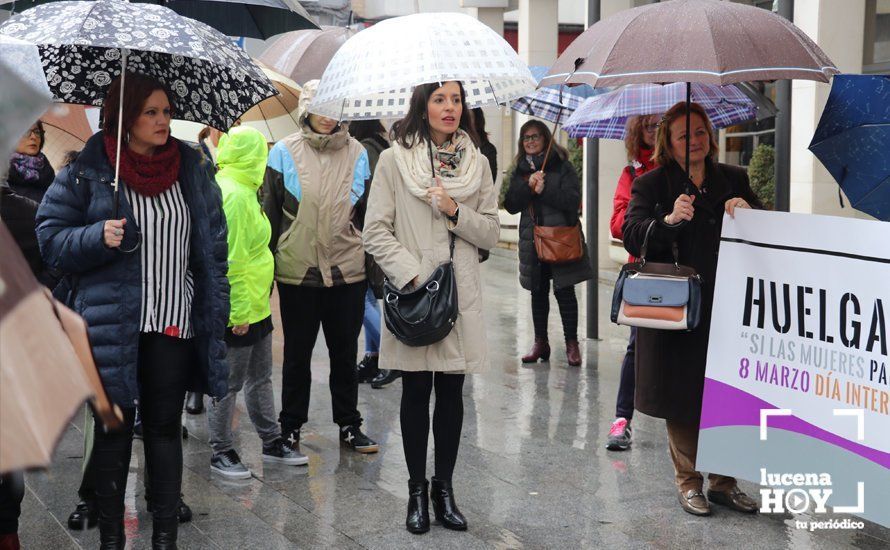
(694,502)
(540,350)
(735,499)
(573,353)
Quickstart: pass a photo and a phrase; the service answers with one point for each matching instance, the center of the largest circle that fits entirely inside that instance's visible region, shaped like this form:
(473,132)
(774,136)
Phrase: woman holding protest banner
(670,365)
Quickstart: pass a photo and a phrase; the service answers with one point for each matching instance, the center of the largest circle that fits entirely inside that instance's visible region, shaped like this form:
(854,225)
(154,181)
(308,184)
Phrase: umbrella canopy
(81,44)
(853,138)
(605,116)
(252,18)
(23,59)
(275,117)
(545,102)
(67,128)
(22,99)
(374,73)
(705,41)
(46,368)
(304,55)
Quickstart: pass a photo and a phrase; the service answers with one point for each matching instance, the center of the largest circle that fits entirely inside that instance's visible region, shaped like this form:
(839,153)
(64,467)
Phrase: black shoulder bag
(427,314)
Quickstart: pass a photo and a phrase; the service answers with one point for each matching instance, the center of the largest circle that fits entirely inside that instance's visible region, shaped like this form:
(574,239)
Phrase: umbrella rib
(867,195)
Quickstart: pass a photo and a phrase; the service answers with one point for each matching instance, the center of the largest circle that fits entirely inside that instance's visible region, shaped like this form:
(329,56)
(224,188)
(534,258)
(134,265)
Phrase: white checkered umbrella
(374,73)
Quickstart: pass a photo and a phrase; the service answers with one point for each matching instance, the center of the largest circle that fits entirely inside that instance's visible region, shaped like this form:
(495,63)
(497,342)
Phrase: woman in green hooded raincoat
(241,158)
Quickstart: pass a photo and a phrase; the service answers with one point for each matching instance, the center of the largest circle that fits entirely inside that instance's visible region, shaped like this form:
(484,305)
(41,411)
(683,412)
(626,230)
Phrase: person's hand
(536,182)
(732,204)
(443,202)
(113,234)
(683,210)
(240,330)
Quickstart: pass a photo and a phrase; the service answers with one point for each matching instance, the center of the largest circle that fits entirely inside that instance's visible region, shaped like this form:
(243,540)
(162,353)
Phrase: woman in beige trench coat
(407,229)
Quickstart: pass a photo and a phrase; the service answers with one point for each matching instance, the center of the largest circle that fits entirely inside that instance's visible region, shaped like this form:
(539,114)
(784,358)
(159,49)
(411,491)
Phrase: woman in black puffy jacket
(554,195)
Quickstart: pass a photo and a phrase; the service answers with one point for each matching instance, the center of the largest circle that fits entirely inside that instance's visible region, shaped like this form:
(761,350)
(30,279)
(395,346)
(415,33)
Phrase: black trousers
(163,371)
(568,307)
(12,492)
(624,407)
(338,311)
(448,420)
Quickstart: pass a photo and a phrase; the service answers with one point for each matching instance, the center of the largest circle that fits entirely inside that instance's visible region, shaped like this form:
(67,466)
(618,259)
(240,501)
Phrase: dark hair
(364,129)
(137,89)
(70,157)
(546,137)
(414,127)
(479,122)
(42,136)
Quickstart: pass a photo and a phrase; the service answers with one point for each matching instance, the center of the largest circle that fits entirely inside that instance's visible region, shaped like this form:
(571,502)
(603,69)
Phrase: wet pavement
(532,471)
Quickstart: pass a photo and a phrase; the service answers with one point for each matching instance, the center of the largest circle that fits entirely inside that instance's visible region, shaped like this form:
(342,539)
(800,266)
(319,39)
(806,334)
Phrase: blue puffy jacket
(106,283)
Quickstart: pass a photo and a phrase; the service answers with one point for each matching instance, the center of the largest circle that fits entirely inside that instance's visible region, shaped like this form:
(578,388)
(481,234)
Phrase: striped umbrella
(545,102)
(605,116)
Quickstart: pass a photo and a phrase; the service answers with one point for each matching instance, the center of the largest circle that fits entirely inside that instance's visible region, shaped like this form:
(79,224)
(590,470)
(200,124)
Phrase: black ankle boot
(163,536)
(111,535)
(442,495)
(418,520)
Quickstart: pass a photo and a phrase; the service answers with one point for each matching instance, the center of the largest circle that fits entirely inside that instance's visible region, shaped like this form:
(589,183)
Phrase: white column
(538,31)
(838,28)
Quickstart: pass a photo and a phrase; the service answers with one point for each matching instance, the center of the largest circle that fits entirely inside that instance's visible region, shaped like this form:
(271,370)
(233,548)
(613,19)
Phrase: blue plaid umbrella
(544,102)
(605,116)
(853,139)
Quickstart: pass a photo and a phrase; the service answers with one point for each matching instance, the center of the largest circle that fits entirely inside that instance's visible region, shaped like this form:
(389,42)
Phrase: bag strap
(451,247)
(643,249)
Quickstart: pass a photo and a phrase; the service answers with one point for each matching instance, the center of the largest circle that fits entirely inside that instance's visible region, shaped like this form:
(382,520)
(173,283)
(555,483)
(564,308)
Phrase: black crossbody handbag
(427,314)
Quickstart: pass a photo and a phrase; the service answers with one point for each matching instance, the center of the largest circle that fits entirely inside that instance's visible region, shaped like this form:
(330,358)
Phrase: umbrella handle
(120,125)
(578,63)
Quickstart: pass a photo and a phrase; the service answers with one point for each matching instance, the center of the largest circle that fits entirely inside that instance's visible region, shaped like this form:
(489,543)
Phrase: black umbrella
(251,18)
(86,45)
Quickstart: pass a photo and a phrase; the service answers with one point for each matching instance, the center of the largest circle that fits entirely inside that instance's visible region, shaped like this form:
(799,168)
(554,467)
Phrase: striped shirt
(167,282)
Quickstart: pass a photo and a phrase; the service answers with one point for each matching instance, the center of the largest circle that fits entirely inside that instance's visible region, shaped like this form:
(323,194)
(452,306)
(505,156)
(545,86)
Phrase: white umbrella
(24,94)
(23,59)
(374,73)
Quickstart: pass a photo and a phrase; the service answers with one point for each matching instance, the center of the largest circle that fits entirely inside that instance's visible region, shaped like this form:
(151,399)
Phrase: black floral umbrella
(253,18)
(84,45)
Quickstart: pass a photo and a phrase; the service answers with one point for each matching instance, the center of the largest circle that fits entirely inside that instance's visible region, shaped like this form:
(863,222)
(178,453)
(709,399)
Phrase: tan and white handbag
(657,295)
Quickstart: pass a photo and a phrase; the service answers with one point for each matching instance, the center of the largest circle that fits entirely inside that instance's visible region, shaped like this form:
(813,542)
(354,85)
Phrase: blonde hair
(662,154)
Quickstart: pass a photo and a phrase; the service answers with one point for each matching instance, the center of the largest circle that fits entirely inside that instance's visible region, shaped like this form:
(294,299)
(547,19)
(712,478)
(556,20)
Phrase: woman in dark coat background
(30,173)
(152,341)
(670,365)
(555,197)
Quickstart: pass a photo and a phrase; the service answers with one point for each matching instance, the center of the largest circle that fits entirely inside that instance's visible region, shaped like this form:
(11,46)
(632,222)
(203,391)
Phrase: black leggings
(448,420)
(163,370)
(568,307)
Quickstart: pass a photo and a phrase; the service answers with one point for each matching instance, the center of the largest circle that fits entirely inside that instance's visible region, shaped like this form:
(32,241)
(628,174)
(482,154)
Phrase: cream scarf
(414,165)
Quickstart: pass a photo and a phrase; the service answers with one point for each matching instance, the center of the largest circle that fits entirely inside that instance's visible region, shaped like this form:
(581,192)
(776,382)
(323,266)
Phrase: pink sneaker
(619,435)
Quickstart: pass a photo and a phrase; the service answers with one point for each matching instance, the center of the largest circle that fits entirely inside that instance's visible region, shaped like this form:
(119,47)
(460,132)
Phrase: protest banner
(796,393)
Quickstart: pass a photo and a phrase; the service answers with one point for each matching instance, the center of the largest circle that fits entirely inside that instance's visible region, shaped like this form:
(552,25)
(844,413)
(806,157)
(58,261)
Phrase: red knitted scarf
(149,176)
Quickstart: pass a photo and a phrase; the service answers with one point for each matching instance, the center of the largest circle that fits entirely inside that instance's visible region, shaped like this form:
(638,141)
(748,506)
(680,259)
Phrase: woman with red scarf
(151,284)
(639,141)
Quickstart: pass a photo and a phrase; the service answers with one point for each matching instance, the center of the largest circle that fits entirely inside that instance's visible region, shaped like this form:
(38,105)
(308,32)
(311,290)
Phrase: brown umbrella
(705,41)
(304,55)
(46,366)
